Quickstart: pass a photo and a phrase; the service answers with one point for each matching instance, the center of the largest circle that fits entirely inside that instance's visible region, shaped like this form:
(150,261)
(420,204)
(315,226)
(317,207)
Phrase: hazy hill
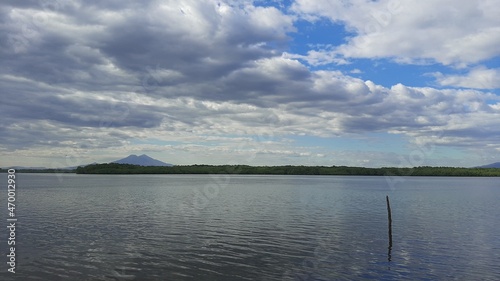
(141,160)
(492,165)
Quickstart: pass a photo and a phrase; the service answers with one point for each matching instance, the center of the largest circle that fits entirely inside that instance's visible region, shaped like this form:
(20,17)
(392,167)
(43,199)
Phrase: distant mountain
(493,165)
(142,160)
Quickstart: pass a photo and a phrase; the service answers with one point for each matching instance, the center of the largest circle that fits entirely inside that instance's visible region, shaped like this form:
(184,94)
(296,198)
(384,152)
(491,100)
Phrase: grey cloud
(140,39)
(75,111)
(122,66)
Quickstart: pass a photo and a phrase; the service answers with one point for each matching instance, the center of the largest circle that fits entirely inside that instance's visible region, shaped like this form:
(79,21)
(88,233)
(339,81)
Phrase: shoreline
(125,169)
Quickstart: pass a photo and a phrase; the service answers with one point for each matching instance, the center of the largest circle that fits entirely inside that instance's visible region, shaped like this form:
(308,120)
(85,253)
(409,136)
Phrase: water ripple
(258,228)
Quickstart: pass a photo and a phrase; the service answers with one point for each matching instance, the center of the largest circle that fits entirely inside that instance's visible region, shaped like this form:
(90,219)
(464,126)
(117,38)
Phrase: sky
(303,82)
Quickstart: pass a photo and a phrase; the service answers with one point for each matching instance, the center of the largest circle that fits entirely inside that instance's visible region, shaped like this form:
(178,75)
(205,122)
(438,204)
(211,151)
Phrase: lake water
(202,227)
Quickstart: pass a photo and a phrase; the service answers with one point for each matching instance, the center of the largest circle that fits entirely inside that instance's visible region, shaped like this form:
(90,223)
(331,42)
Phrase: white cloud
(449,32)
(477,78)
(319,57)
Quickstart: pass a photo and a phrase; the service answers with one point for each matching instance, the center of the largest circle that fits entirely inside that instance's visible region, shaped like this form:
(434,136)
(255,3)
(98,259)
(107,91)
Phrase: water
(201,227)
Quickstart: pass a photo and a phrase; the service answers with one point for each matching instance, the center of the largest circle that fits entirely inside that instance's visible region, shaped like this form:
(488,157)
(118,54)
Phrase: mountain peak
(142,160)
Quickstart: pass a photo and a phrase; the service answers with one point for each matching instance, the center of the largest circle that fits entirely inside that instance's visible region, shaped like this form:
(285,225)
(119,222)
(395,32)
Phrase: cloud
(477,78)
(81,78)
(447,32)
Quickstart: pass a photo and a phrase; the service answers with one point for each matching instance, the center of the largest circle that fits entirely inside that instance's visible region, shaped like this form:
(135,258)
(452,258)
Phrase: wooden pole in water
(389,216)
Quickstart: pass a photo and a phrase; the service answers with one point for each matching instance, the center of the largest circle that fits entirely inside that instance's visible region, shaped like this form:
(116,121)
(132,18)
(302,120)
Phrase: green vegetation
(114,168)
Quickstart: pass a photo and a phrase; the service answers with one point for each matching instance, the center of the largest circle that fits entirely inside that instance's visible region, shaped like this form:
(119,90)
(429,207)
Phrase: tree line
(114,168)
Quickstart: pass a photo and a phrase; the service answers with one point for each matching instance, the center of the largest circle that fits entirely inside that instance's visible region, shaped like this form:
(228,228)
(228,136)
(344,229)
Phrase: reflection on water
(182,227)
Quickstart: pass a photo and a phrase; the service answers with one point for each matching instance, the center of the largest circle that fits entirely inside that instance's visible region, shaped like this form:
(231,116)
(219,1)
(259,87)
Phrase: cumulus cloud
(478,78)
(446,31)
(211,78)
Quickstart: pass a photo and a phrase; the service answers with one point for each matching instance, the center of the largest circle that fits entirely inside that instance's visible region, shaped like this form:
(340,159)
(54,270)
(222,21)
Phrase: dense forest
(113,168)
